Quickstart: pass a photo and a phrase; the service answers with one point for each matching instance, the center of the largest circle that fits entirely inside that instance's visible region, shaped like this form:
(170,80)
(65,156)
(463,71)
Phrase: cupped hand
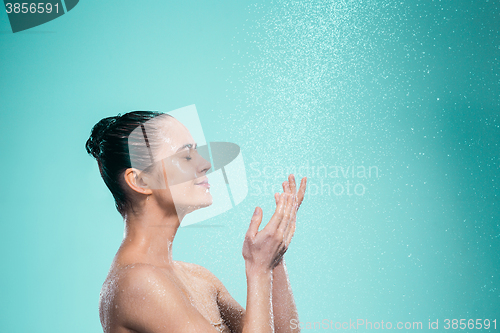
(263,250)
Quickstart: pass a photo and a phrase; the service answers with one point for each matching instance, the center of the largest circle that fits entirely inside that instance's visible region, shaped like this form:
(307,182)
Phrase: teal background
(409,87)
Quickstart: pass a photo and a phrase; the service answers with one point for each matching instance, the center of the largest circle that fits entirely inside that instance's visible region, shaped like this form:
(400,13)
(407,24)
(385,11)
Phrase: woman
(149,162)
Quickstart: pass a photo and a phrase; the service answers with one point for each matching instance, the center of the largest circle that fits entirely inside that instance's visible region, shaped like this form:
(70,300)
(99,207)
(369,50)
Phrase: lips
(204,183)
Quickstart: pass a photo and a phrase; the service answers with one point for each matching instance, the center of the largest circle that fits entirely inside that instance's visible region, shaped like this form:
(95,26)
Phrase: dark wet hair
(108,144)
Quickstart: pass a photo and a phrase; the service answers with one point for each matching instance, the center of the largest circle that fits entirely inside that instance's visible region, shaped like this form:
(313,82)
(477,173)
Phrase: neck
(150,232)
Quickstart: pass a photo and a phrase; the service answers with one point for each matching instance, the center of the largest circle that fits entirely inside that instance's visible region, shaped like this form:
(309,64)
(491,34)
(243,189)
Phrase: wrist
(258,271)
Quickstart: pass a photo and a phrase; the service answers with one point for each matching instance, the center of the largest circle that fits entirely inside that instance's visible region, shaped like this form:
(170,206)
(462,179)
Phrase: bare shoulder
(128,281)
(135,277)
(140,296)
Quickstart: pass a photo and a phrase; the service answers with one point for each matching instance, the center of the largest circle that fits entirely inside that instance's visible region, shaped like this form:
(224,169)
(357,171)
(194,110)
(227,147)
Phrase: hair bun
(99,131)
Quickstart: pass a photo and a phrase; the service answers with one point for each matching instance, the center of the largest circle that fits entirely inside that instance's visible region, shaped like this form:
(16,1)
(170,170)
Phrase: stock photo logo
(227,176)
(26,15)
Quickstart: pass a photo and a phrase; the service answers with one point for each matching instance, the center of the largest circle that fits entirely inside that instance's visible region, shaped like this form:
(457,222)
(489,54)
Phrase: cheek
(182,192)
(179,174)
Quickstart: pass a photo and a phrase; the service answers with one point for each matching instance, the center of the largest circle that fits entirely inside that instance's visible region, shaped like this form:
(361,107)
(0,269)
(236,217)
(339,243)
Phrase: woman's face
(185,170)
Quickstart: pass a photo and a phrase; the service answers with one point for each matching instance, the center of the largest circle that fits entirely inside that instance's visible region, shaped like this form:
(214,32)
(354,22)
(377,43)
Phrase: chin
(200,202)
(203,199)
(207,201)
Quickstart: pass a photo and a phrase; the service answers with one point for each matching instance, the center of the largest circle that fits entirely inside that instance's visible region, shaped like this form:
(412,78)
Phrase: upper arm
(148,301)
(231,311)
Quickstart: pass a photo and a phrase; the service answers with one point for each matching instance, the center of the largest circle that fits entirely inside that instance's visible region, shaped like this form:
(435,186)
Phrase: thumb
(255,222)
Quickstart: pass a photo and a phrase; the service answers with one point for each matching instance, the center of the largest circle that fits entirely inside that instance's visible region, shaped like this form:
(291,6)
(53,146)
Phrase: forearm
(259,311)
(284,308)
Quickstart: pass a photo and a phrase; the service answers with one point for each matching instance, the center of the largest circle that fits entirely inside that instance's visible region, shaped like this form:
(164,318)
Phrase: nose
(203,165)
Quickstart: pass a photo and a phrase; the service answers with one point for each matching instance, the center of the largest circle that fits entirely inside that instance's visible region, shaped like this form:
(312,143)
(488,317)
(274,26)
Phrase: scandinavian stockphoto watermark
(365,324)
(323,180)
(356,324)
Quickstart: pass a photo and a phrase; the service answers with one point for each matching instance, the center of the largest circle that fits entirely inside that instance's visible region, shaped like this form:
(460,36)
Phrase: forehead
(172,136)
(157,139)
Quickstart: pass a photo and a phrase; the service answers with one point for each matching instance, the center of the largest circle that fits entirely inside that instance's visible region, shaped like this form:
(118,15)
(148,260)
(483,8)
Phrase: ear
(137,181)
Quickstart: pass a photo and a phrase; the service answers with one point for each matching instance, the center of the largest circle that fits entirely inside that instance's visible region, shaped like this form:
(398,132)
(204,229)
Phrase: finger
(288,211)
(291,217)
(285,186)
(293,203)
(291,181)
(278,214)
(276,198)
(255,222)
(290,235)
(291,230)
(302,191)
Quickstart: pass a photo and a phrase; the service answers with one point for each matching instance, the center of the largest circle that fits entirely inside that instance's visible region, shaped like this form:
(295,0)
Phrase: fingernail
(255,212)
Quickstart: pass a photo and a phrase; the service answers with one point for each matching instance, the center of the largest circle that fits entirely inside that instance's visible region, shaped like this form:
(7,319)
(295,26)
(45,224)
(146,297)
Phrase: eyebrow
(187,145)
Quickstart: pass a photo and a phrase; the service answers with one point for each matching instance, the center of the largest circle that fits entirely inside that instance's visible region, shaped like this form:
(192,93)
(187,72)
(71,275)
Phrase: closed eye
(188,146)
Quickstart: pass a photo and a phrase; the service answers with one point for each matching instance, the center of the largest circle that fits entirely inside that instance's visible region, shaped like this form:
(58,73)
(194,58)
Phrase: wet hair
(109,145)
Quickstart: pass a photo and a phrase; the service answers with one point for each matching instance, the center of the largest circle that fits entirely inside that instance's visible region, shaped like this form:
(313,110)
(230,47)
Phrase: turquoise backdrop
(404,93)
